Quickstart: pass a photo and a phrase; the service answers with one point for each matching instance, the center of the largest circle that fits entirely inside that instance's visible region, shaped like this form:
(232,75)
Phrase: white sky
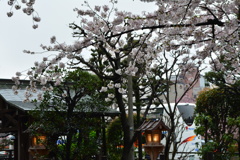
(16,33)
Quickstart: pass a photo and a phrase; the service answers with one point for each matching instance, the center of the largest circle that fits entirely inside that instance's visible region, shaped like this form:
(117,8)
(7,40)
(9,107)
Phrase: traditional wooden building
(14,115)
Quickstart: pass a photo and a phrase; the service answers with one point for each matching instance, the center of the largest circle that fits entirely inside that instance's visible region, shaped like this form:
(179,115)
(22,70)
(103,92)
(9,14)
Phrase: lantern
(153,137)
(38,141)
(38,147)
(153,133)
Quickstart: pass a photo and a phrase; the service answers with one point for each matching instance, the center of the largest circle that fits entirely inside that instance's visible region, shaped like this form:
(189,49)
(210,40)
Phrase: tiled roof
(152,125)
(8,95)
(16,100)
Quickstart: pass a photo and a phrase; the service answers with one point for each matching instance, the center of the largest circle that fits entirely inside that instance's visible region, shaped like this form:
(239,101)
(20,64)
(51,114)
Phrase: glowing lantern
(38,147)
(38,140)
(153,133)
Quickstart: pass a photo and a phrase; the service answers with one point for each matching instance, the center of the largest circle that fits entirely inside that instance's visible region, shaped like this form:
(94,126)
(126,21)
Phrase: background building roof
(12,99)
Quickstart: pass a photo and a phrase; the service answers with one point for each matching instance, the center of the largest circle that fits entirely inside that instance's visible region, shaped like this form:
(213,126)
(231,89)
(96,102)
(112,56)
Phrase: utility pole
(130,111)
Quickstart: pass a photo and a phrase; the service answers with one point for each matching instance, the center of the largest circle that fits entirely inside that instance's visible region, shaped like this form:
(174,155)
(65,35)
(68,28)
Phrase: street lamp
(153,133)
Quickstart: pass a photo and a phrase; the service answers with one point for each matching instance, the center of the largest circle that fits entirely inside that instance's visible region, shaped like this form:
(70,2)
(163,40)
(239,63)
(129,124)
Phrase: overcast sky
(16,33)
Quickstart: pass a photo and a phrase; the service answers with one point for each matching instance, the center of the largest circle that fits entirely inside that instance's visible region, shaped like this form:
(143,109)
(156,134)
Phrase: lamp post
(153,133)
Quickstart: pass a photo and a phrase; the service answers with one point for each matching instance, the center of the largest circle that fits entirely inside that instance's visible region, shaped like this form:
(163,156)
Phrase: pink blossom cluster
(186,34)
(28,10)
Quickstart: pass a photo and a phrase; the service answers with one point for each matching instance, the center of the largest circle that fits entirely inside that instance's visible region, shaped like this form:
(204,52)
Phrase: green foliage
(210,147)
(70,110)
(216,78)
(218,121)
(86,149)
(115,138)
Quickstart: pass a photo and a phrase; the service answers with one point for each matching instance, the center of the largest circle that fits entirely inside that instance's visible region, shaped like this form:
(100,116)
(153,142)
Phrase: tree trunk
(167,147)
(130,113)
(70,132)
(127,144)
(124,122)
(238,140)
(205,156)
(68,146)
(168,138)
(138,106)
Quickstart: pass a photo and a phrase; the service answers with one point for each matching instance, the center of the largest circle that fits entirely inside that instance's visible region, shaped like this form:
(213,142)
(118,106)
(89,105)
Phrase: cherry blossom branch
(188,6)
(209,22)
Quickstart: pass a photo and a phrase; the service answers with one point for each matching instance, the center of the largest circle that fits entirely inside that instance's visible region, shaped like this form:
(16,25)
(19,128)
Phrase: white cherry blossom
(104,89)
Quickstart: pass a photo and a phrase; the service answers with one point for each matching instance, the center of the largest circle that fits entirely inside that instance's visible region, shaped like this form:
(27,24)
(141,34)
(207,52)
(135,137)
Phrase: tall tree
(150,39)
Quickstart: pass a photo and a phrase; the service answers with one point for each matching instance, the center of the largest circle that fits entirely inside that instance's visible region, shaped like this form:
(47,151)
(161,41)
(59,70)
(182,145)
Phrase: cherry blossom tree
(117,44)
